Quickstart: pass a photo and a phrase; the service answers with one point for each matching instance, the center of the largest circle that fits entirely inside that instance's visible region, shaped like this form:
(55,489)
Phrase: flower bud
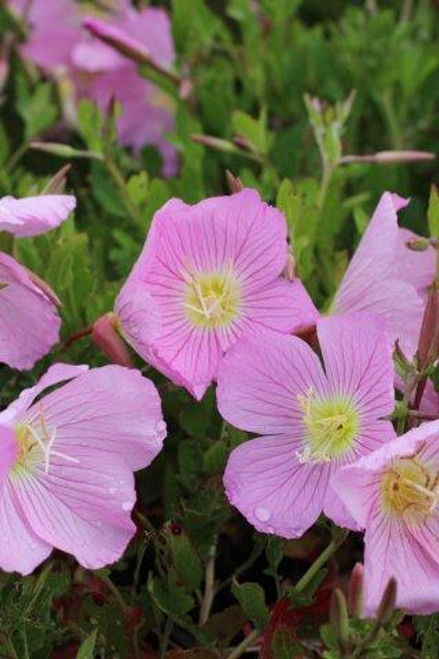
(338,615)
(234,182)
(428,348)
(418,244)
(387,604)
(290,267)
(355,590)
(106,337)
(57,182)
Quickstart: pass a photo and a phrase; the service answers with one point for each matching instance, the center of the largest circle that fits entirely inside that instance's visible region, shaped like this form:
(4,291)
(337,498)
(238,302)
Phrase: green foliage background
(250,64)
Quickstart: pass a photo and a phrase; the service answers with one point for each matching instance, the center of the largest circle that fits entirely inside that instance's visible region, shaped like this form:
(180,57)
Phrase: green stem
(114,591)
(392,121)
(119,181)
(320,562)
(166,636)
(328,170)
(16,157)
(209,584)
(242,647)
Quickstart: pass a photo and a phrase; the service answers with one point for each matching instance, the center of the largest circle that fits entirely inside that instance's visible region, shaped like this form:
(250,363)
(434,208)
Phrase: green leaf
(252,600)
(87,649)
(36,108)
(186,562)
(433,212)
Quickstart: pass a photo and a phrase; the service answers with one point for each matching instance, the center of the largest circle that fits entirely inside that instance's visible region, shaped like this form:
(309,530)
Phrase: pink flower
(33,216)
(101,74)
(385,277)
(208,274)
(312,419)
(67,462)
(29,322)
(393,494)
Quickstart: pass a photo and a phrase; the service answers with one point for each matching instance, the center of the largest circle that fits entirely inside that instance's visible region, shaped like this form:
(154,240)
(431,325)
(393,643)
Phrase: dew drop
(263,514)
(112,490)
(127,505)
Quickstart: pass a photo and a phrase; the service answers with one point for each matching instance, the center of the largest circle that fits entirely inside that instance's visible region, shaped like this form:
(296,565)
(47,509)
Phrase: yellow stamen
(212,300)
(331,424)
(410,488)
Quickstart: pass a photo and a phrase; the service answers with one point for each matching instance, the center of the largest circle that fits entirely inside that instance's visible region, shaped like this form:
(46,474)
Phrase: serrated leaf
(87,649)
(186,562)
(252,599)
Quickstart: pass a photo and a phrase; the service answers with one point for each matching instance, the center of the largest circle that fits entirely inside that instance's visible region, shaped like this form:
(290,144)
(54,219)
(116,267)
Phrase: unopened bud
(338,615)
(389,157)
(290,267)
(387,604)
(64,150)
(106,336)
(126,45)
(355,590)
(428,348)
(243,143)
(418,244)
(234,182)
(57,182)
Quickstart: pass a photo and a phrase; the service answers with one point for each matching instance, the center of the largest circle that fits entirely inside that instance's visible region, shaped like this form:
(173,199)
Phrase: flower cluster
(60,44)
(208,301)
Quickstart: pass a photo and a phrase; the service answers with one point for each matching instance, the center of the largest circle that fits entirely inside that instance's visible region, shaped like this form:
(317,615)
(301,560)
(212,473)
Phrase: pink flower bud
(355,590)
(106,337)
(234,182)
(428,348)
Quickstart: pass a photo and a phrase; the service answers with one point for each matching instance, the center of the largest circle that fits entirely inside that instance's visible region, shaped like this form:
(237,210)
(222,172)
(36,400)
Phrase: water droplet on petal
(112,490)
(127,505)
(262,514)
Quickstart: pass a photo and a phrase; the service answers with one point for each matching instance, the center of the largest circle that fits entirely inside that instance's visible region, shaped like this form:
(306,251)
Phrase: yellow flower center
(35,445)
(212,300)
(410,488)
(331,424)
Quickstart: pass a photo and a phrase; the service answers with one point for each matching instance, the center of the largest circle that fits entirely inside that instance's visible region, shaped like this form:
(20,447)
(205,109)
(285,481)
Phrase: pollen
(36,446)
(410,488)
(212,300)
(331,425)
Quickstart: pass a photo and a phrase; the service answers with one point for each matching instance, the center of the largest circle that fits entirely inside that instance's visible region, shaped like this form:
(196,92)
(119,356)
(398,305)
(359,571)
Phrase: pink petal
(416,268)
(55,29)
(358,361)
(272,489)
(188,355)
(282,306)
(391,550)
(8,452)
(138,316)
(56,374)
(29,322)
(81,508)
(21,550)
(32,216)
(259,382)
(113,408)
(376,262)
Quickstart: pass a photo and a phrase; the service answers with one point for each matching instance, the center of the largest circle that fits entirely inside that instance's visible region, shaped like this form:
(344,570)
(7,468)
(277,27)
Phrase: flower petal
(81,508)
(32,216)
(29,322)
(21,550)
(272,489)
(358,361)
(259,382)
(112,408)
